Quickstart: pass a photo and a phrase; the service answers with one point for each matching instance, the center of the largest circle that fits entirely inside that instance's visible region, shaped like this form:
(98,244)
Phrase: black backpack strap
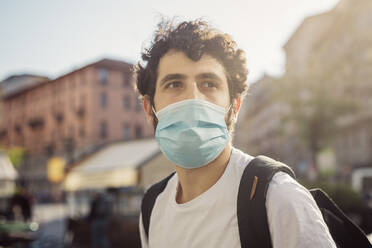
(251,211)
(344,232)
(149,199)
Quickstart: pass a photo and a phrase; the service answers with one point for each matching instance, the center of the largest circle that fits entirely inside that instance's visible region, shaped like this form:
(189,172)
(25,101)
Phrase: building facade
(263,130)
(337,45)
(341,47)
(72,115)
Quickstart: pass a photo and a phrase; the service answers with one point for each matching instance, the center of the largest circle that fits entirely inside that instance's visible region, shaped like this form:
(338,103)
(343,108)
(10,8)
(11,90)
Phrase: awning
(8,175)
(113,166)
(7,171)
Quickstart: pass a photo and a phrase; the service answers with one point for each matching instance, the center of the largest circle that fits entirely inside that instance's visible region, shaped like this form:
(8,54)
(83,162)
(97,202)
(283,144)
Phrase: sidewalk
(52,224)
(49,212)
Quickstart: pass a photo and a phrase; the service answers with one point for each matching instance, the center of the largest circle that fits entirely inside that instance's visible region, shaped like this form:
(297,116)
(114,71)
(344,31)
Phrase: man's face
(180,78)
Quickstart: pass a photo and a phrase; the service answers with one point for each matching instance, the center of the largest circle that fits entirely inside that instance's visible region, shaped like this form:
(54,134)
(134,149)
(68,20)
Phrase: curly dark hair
(194,38)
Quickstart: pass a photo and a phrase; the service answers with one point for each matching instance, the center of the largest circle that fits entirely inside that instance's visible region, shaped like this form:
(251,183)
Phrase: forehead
(177,62)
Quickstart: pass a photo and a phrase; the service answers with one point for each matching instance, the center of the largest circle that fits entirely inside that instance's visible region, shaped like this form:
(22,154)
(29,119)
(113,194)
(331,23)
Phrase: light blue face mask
(191,133)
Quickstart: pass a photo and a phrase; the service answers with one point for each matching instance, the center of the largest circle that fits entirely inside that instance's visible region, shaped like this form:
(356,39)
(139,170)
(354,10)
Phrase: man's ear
(146,103)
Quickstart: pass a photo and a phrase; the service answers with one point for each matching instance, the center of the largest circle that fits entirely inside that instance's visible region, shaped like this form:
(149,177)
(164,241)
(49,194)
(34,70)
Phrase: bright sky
(54,37)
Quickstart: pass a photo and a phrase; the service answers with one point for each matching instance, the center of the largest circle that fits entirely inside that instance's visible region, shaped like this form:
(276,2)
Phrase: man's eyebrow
(171,77)
(208,75)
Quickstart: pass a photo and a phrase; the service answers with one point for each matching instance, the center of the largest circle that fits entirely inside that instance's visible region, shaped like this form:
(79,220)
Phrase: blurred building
(261,116)
(71,115)
(13,85)
(261,127)
(339,44)
(13,108)
(117,166)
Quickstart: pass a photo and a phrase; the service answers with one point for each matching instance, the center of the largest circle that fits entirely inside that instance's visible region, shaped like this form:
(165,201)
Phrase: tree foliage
(315,103)
(16,155)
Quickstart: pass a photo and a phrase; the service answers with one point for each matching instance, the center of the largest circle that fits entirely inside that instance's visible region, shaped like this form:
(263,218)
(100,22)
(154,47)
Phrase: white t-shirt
(210,220)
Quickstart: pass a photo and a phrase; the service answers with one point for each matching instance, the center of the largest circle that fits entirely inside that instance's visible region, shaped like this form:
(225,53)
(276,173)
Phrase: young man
(193,81)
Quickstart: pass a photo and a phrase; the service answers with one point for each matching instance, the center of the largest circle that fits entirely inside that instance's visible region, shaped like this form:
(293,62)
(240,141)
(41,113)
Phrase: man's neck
(194,182)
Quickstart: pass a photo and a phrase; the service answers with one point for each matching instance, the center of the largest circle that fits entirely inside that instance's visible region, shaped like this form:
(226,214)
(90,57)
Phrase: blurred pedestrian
(21,205)
(99,218)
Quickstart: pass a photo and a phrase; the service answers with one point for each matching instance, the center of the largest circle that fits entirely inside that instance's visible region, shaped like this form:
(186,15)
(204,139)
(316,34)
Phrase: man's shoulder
(239,158)
(159,186)
(291,207)
(285,192)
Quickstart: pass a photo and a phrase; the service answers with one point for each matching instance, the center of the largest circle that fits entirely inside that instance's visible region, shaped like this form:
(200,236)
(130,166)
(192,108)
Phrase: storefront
(121,170)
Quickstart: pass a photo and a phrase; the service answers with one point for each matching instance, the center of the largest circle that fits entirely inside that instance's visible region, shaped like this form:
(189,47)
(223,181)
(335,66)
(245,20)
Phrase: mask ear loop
(228,111)
(156,119)
(153,110)
(229,108)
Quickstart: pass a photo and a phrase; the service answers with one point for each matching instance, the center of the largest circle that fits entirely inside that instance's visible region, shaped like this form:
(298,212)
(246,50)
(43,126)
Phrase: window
(18,129)
(103,130)
(126,79)
(103,100)
(126,131)
(103,76)
(138,132)
(49,149)
(69,145)
(126,102)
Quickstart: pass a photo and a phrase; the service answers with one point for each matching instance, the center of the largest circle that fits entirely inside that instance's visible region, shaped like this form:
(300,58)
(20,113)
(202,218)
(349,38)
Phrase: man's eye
(172,85)
(209,84)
